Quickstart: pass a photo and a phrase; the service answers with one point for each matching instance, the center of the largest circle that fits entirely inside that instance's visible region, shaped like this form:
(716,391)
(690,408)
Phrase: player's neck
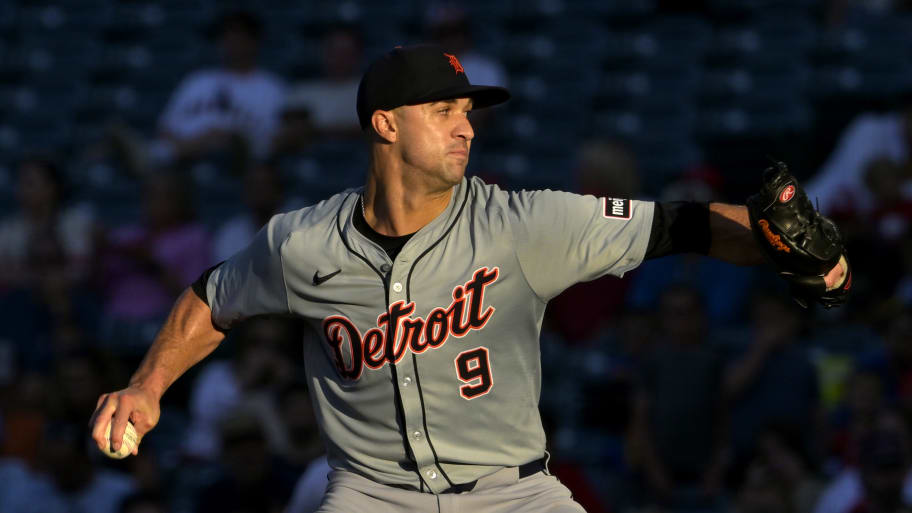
(394,207)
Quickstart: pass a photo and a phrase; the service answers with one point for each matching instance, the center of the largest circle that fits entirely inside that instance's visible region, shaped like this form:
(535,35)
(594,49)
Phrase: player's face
(435,140)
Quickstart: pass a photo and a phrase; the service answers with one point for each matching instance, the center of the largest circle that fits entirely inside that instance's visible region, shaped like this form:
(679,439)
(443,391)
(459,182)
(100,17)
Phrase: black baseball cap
(409,75)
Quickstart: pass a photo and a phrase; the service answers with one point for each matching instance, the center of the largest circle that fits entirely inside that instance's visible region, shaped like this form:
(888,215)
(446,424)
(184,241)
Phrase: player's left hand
(836,276)
(805,247)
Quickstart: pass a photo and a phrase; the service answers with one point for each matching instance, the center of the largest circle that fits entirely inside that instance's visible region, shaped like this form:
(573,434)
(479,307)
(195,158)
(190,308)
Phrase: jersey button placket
(409,394)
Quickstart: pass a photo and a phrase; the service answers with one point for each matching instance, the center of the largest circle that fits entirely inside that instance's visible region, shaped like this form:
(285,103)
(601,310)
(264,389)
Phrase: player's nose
(464,129)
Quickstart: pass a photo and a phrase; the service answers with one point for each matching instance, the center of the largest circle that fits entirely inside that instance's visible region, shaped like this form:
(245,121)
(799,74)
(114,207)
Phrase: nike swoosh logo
(320,279)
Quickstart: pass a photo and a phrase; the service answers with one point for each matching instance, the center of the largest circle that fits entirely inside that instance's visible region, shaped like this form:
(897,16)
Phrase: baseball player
(427,290)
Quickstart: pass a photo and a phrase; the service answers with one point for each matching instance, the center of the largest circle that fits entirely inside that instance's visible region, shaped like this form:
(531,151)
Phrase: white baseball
(130,441)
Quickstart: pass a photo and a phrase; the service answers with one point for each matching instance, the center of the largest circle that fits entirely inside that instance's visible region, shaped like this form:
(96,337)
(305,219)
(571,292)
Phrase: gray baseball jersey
(426,372)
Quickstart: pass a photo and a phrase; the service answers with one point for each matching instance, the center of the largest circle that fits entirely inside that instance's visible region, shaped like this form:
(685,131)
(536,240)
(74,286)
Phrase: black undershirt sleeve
(199,286)
(679,227)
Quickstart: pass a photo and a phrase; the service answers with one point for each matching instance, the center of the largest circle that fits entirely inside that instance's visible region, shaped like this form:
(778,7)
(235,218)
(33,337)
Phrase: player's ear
(384,123)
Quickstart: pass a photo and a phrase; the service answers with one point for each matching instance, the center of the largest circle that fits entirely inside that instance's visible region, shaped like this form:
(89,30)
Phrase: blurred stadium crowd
(143,141)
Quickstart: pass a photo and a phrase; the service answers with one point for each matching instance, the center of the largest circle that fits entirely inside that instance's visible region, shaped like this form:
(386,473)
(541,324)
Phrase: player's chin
(455,172)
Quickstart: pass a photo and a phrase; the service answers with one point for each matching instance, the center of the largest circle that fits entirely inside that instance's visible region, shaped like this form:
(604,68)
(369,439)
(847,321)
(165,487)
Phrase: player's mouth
(461,153)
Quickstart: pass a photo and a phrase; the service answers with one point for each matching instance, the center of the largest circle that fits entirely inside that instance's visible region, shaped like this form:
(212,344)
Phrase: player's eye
(445,110)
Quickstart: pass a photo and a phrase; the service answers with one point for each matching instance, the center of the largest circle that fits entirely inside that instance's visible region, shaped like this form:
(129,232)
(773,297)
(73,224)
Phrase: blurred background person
(234,108)
(53,314)
(252,477)
(263,194)
(329,100)
(306,450)
(68,480)
(840,184)
(252,379)
(679,426)
(146,265)
(44,213)
(780,476)
(771,381)
(880,482)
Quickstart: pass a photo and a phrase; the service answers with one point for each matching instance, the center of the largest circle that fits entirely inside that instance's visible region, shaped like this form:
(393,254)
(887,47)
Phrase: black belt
(525,470)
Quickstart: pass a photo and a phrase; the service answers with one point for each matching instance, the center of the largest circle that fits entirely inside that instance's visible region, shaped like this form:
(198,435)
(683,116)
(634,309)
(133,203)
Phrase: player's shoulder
(494,194)
(312,218)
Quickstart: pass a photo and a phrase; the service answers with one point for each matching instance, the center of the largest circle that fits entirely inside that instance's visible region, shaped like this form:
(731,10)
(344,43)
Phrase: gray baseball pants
(500,492)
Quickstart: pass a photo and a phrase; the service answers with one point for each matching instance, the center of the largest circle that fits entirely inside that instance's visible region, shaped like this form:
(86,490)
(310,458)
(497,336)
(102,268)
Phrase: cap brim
(482,96)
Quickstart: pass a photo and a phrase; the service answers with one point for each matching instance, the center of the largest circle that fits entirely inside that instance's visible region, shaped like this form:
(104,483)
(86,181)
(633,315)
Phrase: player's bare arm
(186,337)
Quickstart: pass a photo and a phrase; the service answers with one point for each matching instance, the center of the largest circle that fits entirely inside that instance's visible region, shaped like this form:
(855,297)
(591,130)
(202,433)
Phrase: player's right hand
(133,403)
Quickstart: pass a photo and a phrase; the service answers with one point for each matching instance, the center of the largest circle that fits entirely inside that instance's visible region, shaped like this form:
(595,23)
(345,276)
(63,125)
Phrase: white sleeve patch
(616,208)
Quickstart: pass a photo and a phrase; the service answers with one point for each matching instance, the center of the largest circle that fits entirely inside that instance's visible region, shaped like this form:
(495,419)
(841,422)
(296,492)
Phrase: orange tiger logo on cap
(455,63)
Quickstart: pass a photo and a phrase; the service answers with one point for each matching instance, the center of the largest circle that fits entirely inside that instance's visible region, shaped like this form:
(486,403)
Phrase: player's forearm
(732,240)
(187,337)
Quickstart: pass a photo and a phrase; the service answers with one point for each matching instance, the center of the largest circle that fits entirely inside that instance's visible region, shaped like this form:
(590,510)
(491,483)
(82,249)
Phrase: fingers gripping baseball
(131,404)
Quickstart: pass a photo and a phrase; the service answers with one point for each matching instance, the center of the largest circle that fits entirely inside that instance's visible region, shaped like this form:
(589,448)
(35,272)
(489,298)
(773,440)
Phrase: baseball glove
(801,244)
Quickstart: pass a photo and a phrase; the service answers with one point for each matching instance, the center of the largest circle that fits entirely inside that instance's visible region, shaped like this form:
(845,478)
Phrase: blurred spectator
(891,362)
(253,480)
(772,381)
(80,377)
(263,198)
(839,186)
(300,423)
(879,236)
(780,476)
(252,379)
(43,214)
(69,482)
(147,265)
(724,287)
(52,315)
(678,432)
(881,482)
(311,487)
(24,416)
(143,502)
(579,314)
(864,402)
(329,101)
(235,107)
(305,448)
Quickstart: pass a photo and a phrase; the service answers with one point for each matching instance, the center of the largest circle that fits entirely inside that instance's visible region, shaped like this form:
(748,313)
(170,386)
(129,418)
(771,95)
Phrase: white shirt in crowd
(840,184)
(249,103)
(331,104)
